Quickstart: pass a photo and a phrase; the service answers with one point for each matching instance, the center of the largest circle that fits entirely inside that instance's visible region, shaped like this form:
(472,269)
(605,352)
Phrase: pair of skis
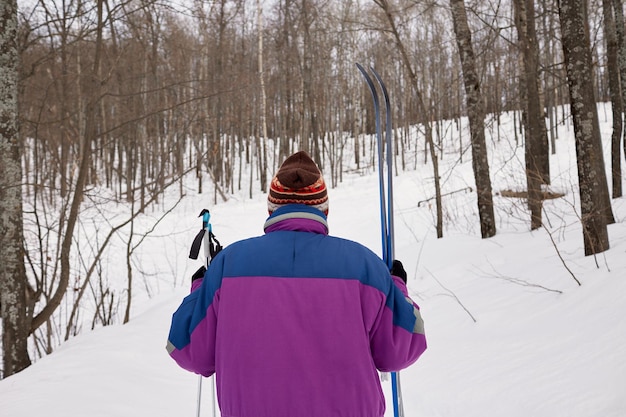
(386,199)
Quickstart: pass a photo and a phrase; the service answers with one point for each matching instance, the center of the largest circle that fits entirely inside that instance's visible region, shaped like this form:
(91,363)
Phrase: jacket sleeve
(398,339)
(191,340)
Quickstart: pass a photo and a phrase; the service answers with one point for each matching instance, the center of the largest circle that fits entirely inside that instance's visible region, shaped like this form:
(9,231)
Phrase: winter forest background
(114,103)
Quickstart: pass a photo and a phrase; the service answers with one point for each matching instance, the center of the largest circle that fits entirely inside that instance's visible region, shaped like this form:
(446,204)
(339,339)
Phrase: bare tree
(424,114)
(90,132)
(536,144)
(550,67)
(612,49)
(476,114)
(13,283)
(263,135)
(618,8)
(310,136)
(591,177)
(171,92)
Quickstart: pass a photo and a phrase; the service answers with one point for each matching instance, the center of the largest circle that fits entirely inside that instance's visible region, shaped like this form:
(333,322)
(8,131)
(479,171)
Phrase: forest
(121,100)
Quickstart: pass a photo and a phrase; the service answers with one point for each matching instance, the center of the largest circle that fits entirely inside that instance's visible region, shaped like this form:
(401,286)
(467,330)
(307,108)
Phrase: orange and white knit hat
(298,181)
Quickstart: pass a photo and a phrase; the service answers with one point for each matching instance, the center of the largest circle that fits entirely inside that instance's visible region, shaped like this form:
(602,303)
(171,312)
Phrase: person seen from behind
(296,322)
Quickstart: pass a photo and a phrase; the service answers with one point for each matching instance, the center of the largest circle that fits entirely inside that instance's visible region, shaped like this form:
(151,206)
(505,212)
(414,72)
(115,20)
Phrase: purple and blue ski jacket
(296,323)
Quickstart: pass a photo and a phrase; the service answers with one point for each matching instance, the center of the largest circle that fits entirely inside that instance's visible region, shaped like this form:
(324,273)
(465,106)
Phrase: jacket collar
(298,218)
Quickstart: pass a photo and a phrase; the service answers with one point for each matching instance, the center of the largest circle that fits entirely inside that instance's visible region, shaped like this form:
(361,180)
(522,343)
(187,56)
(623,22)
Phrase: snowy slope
(510,331)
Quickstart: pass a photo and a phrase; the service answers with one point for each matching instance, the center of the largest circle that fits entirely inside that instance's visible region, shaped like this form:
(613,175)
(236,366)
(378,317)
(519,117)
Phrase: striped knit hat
(298,181)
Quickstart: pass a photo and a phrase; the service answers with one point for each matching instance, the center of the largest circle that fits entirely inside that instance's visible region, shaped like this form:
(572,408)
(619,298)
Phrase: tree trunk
(13,283)
(616,98)
(424,116)
(90,132)
(263,148)
(621,45)
(591,176)
(535,107)
(476,115)
(536,149)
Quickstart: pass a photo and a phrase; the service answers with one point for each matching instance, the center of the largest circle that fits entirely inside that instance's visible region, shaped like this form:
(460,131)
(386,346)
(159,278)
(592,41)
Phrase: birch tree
(263,133)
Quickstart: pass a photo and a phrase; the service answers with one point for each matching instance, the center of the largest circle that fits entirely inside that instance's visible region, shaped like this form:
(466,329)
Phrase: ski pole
(199,397)
(211,248)
(208,249)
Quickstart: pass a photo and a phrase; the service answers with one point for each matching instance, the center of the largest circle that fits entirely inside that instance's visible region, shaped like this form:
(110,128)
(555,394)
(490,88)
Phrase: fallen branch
(466,189)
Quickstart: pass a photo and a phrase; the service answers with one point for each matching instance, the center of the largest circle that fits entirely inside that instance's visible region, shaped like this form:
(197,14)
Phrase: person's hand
(398,270)
(198,274)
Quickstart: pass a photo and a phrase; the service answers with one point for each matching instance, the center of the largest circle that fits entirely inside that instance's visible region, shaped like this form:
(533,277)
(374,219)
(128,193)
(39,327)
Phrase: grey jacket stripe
(298,215)
(419,322)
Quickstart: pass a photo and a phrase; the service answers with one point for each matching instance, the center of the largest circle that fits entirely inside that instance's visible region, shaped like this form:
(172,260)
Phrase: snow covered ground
(510,331)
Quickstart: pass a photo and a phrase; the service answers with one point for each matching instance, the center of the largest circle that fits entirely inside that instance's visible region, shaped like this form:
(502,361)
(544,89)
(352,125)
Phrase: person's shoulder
(367,261)
(354,246)
(232,249)
(244,242)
